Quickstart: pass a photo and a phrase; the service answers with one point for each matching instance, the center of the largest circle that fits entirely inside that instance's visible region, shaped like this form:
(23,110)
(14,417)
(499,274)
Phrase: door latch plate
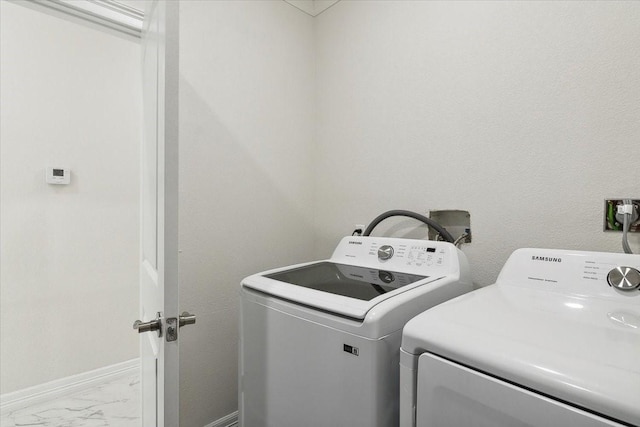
(172,329)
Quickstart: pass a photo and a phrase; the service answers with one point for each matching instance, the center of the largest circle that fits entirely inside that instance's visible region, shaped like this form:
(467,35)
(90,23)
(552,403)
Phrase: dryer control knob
(624,278)
(385,252)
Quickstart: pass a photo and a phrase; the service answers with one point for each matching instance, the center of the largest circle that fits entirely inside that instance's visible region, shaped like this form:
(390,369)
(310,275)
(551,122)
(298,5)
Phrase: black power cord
(431,223)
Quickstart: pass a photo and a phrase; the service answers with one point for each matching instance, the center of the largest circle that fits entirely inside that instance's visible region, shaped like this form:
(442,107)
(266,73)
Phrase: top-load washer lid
(553,324)
(362,272)
(352,281)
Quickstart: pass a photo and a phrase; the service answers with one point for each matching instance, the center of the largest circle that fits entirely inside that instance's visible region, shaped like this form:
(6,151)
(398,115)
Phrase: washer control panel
(624,278)
(411,254)
(415,253)
(424,257)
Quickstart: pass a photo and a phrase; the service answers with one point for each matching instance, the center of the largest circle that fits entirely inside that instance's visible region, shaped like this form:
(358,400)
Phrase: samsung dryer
(555,342)
(320,341)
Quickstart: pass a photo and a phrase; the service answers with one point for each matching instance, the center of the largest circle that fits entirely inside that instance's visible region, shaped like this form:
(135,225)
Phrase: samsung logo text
(545,259)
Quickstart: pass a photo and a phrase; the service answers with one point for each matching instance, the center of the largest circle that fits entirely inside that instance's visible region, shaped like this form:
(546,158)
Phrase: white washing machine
(555,342)
(320,342)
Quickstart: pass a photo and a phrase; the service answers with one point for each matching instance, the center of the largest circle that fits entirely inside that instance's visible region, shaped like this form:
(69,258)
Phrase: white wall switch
(57,175)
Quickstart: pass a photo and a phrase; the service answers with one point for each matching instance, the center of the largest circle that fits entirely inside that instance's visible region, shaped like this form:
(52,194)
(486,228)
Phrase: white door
(159,219)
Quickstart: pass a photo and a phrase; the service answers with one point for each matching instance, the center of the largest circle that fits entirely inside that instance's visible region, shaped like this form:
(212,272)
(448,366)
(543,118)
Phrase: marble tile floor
(112,404)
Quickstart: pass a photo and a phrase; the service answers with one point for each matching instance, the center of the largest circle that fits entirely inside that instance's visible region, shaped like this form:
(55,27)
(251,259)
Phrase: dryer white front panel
(451,395)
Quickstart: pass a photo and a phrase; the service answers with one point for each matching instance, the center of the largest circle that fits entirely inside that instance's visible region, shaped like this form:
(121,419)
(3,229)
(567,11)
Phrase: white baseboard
(230,420)
(65,386)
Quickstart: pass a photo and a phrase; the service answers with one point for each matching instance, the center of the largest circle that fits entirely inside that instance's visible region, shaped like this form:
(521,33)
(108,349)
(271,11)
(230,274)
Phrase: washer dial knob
(624,278)
(385,252)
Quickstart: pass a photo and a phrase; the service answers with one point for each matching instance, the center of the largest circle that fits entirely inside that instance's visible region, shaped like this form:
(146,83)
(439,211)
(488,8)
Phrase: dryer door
(453,395)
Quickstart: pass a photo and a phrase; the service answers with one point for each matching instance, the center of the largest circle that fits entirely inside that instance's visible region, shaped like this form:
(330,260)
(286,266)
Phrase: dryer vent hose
(431,223)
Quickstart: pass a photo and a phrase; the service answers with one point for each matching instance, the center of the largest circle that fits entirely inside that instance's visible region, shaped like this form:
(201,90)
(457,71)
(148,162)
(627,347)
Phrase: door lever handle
(150,326)
(187,318)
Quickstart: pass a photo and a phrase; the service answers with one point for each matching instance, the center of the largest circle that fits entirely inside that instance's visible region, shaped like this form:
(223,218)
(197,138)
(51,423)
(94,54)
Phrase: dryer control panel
(582,273)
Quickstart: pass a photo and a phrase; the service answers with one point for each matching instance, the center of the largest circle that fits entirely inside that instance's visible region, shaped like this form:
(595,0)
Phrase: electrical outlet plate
(610,222)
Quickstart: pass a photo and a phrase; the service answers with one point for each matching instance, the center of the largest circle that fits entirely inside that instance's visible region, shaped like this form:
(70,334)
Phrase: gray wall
(69,278)
(246,180)
(523,113)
